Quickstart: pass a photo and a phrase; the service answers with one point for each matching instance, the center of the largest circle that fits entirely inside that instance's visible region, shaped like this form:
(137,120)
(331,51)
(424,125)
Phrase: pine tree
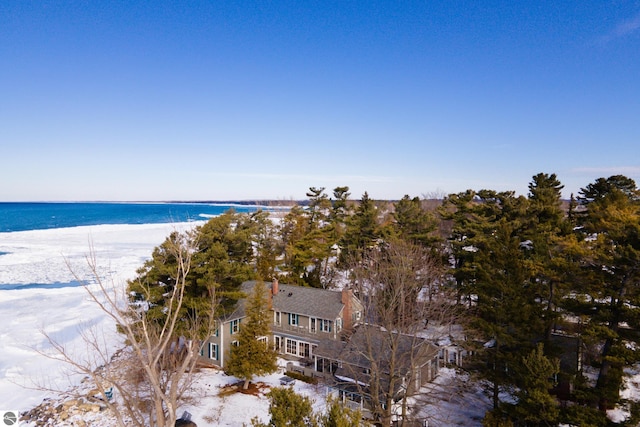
(362,230)
(536,406)
(253,355)
(339,415)
(267,244)
(288,409)
(413,223)
(548,236)
(309,236)
(224,258)
(459,210)
(611,225)
(507,312)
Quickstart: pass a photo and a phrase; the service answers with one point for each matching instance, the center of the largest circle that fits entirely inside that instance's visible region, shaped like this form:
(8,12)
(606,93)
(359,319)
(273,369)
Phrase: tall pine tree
(254,355)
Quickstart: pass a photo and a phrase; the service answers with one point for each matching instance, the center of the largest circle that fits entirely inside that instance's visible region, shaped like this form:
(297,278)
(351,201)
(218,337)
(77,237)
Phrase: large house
(322,332)
(302,318)
(399,364)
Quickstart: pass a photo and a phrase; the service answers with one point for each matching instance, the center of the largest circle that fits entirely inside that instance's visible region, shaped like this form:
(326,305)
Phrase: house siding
(305,326)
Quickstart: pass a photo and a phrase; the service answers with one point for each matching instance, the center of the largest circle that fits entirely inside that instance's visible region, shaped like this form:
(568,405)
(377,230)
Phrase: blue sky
(218,100)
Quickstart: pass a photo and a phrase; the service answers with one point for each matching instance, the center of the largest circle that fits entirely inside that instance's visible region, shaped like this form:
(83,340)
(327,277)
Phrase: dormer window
(235,326)
(325,325)
(277,318)
(293,319)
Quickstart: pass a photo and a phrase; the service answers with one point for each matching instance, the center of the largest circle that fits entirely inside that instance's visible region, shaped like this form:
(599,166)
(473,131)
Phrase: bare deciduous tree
(407,309)
(151,375)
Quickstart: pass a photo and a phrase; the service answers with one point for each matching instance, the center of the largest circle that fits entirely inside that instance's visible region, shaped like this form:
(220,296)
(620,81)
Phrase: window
(213,351)
(216,333)
(303,349)
(264,340)
(325,325)
(312,326)
(235,326)
(277,318)
(235,343)
(293,319)
(292,347)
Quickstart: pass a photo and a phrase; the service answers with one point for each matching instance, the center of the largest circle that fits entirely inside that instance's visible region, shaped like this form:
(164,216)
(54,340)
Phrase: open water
(42,216)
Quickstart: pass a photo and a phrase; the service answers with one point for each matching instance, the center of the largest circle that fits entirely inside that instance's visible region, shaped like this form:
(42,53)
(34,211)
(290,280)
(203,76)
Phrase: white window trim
(235,326)
(213,351)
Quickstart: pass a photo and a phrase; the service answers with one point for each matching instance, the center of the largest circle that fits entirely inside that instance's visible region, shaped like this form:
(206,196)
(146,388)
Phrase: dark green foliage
(338,415)
(414,223)
(362,230)
(253,356)
(602,188)
(286,408)
(302,377)
(523,268)
(222,258)
(536,406)
(507,311)
(611,272)
(268,245)
(309,236)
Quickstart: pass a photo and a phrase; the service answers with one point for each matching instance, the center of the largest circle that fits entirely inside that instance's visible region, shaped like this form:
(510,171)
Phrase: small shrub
(301,377)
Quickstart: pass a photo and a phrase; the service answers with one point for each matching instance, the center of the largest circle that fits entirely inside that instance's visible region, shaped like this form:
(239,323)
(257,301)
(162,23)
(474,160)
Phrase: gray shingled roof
(312,302)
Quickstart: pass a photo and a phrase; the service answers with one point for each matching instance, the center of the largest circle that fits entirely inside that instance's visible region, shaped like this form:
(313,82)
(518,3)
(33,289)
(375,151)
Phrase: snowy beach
(39,292)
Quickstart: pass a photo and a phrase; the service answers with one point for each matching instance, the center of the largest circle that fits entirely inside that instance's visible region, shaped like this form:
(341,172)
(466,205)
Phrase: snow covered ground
(38,292)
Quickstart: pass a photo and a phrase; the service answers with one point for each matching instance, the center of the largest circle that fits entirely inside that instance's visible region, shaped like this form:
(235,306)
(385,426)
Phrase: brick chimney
(347,321)
(274,287)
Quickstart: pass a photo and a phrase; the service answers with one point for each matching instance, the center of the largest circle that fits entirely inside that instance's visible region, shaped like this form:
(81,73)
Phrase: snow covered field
(38,292)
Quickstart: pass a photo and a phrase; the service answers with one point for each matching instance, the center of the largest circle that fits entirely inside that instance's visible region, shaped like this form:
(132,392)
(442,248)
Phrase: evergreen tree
(611,226)
(338,415)
(362,231)
(507,313)
(308,236)
(267,244)
(294,227)
(466,227)
(319,206)
(224,257)
(253,355)
(413,223)
(496,277)
(536,406)
(340,209)
(545,204)
(547,233)
(288,409)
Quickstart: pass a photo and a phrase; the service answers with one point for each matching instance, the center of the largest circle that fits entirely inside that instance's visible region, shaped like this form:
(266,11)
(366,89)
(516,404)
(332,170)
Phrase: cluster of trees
(287,408)
(530,268)
(525,269)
